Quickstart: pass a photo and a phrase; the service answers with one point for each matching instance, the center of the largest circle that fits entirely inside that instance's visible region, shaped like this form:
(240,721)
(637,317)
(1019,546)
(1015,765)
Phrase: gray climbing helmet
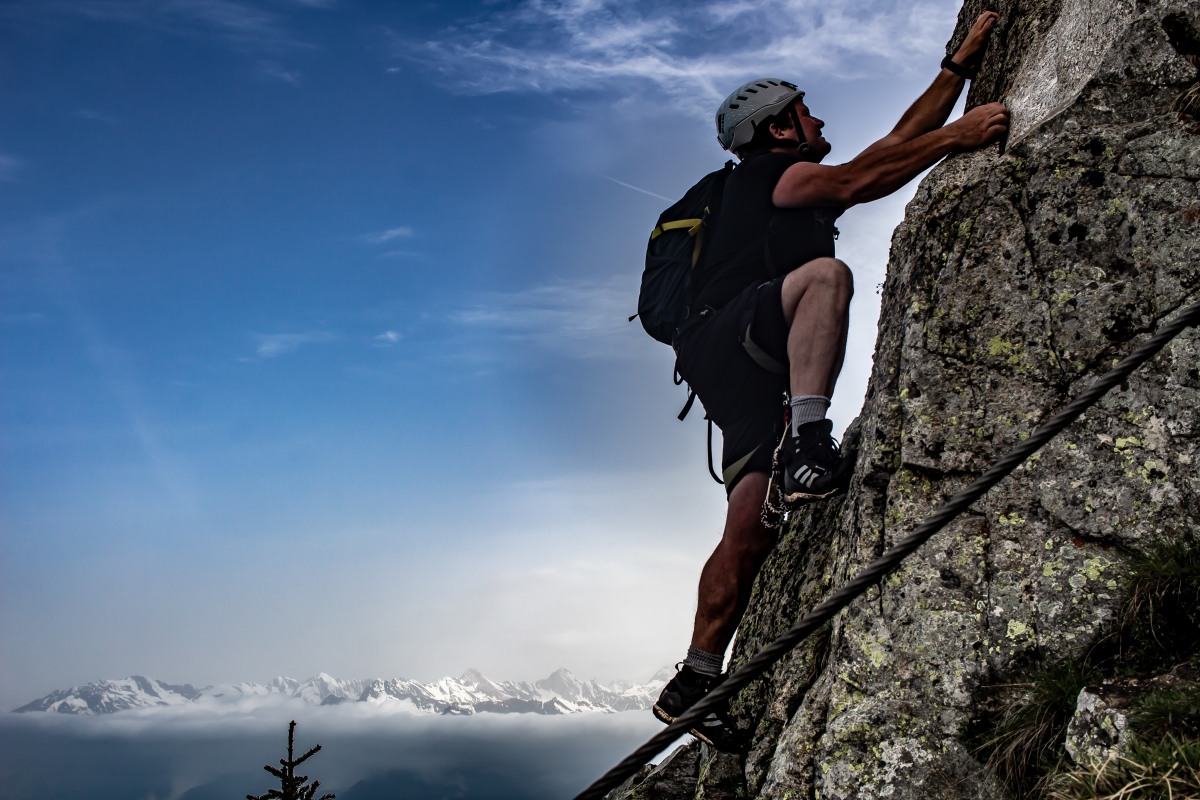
(743,110)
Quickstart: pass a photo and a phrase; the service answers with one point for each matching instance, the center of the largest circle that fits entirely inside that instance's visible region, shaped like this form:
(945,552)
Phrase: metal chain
(891,559)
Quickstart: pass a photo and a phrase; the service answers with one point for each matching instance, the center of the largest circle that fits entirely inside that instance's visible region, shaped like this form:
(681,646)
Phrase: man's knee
(832,273)
(842,275)
(827,276)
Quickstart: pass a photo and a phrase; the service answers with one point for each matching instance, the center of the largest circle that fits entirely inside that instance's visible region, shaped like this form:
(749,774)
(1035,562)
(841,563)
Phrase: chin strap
(802,146)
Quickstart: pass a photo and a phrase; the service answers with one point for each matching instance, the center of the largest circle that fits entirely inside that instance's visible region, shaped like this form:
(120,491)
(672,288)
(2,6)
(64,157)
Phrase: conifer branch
(292,786)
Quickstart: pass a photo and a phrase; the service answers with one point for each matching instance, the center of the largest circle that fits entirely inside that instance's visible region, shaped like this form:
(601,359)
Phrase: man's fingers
(998,122)
(985,124)
(987,19)
(982,28)
(981,31)
(992,109)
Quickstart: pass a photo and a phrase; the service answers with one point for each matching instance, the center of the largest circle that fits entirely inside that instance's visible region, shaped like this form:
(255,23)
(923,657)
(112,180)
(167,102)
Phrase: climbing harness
(891,559)
(774,511)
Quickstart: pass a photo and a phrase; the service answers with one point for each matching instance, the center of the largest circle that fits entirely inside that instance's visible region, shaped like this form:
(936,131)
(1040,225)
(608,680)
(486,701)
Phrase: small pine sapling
(294,787)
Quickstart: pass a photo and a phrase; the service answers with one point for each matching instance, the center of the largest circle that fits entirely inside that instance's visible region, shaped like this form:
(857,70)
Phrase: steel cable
(892,558)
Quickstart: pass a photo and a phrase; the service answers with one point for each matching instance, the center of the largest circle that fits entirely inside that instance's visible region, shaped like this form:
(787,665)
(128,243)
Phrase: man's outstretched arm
(918,141)
(933,107)
(880,172)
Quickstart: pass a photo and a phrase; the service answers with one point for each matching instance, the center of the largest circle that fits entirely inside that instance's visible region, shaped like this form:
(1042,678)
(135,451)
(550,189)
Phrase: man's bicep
(806,185)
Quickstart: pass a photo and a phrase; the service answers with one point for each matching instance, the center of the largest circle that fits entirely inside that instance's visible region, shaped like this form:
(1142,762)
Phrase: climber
(770,316)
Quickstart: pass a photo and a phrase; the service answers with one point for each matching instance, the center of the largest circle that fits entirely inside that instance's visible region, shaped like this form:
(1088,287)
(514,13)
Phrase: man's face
(811,127)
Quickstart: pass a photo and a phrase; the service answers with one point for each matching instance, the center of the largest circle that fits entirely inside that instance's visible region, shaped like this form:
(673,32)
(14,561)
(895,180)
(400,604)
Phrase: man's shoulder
(801,178)
(761,171)
(770,160)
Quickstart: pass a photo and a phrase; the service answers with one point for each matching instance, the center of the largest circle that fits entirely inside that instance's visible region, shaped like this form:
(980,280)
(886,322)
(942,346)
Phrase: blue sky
(313,325)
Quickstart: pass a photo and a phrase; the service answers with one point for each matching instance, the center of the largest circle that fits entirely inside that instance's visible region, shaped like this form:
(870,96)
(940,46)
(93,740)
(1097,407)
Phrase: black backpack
(675,248)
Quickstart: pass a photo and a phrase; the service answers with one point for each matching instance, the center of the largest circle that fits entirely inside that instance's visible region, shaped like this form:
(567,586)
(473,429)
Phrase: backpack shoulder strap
(662,228)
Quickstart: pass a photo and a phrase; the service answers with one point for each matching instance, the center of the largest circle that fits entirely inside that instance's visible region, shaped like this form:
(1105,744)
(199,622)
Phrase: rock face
(1016,277)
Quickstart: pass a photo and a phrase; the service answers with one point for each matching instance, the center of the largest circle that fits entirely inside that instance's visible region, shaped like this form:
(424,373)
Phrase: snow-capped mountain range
(560,693)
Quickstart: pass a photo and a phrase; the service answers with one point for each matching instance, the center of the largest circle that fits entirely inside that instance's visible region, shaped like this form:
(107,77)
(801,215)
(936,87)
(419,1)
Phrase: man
(770,316)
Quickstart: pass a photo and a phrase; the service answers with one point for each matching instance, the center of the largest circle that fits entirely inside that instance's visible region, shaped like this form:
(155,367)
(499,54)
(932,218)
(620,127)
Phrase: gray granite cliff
(1018,274)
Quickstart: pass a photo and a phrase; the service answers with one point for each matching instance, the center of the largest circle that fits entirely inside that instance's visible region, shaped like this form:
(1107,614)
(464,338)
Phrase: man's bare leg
(816,300)
(725,585)
(816,307)
(729,574)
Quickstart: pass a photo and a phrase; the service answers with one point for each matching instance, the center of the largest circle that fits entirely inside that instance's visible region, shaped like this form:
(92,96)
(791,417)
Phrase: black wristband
(966,73)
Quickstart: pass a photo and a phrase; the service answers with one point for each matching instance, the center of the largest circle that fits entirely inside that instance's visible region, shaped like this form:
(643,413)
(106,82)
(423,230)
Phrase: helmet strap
(801,143)
(802,146)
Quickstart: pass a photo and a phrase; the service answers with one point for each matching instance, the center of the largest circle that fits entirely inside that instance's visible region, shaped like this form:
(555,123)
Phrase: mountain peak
(560,693)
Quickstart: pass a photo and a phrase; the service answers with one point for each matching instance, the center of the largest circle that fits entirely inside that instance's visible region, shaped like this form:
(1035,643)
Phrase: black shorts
(735,359)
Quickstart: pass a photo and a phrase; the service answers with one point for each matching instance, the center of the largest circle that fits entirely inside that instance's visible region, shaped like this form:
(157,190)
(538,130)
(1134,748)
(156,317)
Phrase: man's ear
(778,130)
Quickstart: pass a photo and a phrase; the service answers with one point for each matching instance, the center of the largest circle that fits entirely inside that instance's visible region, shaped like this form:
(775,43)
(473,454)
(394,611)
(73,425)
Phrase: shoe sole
(666,718)
(800,498)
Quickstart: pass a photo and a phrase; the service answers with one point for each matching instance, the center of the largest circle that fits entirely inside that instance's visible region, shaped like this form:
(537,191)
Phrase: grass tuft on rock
(1165,768)
(1157,629)
(1027,741)
(1188,101)
(1158,622)
(1168,712)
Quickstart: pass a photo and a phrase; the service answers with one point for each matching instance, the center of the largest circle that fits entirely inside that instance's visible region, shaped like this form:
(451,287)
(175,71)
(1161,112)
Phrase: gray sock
(808,408)
(704,663)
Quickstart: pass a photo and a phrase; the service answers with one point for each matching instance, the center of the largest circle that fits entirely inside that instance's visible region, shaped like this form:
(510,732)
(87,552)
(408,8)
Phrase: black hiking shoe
(686,689)
(813,469)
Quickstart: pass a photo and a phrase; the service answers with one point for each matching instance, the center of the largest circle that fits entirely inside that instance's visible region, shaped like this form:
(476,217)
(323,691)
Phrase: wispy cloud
(23,318)
(639,189)
(91,115)
(241,20)
(39,243)
(246,26)
(9,167)
(588,319)
(277,72)
(379,754)
(683,54)
(270,345)
(387,339)
(399,232)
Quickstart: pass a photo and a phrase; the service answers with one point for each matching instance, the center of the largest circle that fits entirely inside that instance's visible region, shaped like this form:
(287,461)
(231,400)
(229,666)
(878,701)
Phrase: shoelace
(830,447)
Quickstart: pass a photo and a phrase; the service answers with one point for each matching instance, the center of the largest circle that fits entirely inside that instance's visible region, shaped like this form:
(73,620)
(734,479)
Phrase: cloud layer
(190,757)
(688,55)
(582,319)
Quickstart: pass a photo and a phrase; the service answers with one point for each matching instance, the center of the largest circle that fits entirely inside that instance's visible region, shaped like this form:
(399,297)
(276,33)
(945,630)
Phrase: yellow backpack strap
(670,226)
(697,233)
